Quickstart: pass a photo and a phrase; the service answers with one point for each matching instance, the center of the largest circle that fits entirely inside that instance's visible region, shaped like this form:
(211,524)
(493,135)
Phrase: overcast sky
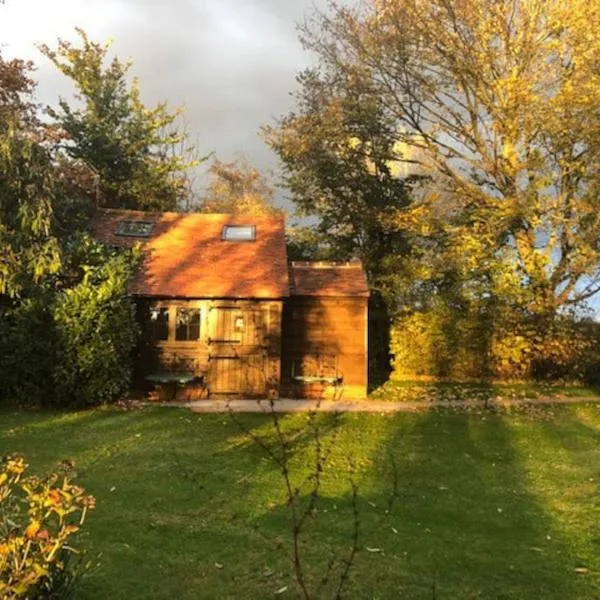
(231,63)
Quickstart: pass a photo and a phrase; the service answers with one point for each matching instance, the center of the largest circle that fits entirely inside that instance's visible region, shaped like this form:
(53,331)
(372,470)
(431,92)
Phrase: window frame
(251,228)
(121,229)
(153,324)
(188,309)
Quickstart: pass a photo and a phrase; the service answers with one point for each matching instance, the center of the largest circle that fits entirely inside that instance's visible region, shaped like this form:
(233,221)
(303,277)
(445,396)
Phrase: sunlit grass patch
(481,504)
(428,391)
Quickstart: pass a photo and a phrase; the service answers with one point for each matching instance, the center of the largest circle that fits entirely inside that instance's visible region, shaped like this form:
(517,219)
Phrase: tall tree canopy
(28,252)
(67,326)
(16,91)
(138,153)
(337,152)
(500,101)
(237,187)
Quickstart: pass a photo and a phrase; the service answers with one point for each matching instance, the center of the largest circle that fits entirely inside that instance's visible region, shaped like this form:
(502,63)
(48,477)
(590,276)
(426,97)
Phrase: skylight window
(239,233)
(135,228)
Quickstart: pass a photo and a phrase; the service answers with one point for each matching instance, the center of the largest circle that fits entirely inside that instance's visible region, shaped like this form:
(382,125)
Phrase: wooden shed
(215,296)
(325,325)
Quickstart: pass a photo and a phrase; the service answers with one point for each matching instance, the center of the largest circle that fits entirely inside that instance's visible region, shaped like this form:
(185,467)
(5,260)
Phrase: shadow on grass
(463,519)
(485,505)
(469,516)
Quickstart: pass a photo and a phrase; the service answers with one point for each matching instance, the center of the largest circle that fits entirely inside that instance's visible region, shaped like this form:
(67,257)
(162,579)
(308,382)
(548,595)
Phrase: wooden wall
(234,360)
(325,336)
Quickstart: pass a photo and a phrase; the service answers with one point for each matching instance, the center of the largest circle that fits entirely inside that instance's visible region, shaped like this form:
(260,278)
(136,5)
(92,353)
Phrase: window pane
(159,323)
(187,324)
(237,233)
(195,325)
(238,324)
(135,228)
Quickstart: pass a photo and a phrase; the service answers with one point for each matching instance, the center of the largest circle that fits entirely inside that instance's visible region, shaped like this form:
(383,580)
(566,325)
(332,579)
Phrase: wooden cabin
(217,298)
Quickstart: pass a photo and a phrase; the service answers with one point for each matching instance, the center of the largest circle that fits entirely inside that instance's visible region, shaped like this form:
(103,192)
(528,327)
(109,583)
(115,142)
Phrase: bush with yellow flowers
(39,517)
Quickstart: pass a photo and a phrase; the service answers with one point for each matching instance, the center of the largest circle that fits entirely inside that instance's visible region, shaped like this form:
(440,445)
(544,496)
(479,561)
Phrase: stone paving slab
(367,406)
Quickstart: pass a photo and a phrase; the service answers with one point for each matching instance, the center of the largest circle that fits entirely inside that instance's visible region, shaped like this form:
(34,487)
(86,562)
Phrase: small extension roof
(193,255)
(328,279)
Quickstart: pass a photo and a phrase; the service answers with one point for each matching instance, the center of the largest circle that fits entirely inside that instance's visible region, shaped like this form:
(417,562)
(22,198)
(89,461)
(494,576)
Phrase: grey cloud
(232,63)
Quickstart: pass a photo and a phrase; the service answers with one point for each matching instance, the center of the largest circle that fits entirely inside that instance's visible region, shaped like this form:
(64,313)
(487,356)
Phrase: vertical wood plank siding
(325,336)
(239,350)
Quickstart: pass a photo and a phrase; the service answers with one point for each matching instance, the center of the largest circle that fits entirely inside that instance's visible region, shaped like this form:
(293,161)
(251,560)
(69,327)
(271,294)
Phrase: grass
(488,505)
(407,390)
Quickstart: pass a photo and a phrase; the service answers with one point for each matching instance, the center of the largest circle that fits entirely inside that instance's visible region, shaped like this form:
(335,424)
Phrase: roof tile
(185,257)
(328,279)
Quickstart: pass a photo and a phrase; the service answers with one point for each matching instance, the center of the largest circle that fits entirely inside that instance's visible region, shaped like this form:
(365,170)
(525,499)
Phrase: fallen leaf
(368,549)
(281,590)
(218,565)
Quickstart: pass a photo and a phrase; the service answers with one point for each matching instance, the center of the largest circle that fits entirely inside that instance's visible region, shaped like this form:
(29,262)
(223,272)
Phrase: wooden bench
(178,371)
(173,381)
(323,362)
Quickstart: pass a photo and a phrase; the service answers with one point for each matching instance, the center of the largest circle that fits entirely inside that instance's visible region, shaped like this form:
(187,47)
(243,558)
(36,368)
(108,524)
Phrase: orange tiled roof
(184,256)
(328,279)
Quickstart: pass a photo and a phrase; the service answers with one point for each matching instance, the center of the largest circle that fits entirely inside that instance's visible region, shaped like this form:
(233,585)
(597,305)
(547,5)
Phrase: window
(159,324)
(187,325)
(239,233)
(135,228)
(238,324)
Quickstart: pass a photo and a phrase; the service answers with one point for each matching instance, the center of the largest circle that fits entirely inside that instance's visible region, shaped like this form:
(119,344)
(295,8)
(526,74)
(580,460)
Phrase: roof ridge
(158,213)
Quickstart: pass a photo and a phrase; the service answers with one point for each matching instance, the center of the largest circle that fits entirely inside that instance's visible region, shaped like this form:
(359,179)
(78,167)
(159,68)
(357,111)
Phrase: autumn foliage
(488,111)
(39,519)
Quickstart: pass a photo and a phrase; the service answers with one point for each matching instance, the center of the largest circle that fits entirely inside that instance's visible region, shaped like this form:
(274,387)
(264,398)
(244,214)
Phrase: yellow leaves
(32,529)
(417,219)
(32,550)
(15,465)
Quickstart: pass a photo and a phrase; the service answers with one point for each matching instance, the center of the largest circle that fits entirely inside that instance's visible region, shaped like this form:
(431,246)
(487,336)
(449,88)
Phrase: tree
(340,164)
(66,321)
(501,100)
(238,187)
(28,251)
(16,91)
(337,153)
(138,153)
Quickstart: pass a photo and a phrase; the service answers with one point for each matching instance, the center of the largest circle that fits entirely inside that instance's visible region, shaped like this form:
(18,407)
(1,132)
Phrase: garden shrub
(441,342)
(39,521)
(448,344)
(71,344)
(27,348)
(96,332)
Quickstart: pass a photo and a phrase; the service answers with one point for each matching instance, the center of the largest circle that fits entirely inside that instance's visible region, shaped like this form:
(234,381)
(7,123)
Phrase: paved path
(372,406)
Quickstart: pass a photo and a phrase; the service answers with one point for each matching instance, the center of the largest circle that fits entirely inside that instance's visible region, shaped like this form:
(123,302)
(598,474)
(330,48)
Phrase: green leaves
(29,252)
(71,344)
(139,153)
(95,329)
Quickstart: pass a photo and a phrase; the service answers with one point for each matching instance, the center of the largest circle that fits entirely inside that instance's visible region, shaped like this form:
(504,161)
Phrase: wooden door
(236,363)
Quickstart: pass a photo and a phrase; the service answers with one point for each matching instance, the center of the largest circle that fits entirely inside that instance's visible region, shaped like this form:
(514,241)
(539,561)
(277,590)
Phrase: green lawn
(447,390)
(489,505)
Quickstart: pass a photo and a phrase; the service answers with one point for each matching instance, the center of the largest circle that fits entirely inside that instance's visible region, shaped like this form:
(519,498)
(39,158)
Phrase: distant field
(489,505)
